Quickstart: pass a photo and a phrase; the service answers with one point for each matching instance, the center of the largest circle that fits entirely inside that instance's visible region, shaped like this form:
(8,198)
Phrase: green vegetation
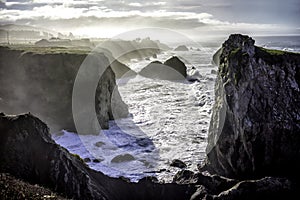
(273,51)
(234,52)
(78,157)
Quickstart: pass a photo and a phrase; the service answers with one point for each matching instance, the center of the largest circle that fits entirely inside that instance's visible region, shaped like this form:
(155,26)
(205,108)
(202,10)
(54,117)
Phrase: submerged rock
(41,81)
(122,158)
(255,129)
(171,69)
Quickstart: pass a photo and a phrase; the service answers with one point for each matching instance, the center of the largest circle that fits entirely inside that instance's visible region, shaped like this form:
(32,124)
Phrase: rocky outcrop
(27,152)
(171,69)
(255,125)
(181,48)
(12,188)
(41,80)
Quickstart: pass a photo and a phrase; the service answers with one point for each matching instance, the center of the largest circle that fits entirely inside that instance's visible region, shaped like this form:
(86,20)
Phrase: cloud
(214,16)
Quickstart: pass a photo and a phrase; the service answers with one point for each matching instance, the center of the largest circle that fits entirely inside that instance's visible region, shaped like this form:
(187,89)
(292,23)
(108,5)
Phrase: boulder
(254,130)
(181,48)
(178,163)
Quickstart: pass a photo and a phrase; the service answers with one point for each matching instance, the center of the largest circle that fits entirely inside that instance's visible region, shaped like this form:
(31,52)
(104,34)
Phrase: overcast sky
(195,17)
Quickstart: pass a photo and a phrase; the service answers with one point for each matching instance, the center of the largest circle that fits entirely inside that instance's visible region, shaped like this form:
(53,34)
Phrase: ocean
(168,119)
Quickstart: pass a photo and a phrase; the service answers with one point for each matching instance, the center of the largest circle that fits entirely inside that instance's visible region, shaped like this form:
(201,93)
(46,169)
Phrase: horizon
(195,19)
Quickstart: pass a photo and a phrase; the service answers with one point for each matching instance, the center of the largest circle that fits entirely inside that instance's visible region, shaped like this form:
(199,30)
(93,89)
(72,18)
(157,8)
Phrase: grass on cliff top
(49,50)
(275,52)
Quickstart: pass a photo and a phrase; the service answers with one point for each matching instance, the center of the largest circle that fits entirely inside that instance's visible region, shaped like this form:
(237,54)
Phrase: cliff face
(28,152)
(42,83)
(255,125)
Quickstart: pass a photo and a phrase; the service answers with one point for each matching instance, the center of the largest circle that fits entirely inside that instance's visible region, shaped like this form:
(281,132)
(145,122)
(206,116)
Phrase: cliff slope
(255,125)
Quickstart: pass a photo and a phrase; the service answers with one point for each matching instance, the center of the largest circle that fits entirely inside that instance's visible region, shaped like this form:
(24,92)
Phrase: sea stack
(254,129)
(171,69)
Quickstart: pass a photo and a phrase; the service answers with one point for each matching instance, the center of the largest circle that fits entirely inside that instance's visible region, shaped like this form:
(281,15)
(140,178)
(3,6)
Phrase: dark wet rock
(178,163)
(27,152)
(149,178)
(87,160)
(213,71)
(122,158)
(254,130)
(97,160)
(183,177)
(172,69)
(41,81)
(266,188)
(181,48)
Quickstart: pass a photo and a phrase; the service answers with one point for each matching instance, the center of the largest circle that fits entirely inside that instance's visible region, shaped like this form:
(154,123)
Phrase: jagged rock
(12,188)
(255,129)
(172,69)
(183,177)
(181,48)
(27,152)
(178,163)
(41,81)
(266,188)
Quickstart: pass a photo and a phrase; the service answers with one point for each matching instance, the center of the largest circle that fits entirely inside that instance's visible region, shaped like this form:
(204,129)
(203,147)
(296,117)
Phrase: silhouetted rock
(254,130)
(178,163)
(181,48)
(172,69)
(175,63)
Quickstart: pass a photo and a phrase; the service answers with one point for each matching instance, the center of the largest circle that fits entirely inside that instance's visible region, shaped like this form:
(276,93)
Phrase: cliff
(41,80)
(255,125)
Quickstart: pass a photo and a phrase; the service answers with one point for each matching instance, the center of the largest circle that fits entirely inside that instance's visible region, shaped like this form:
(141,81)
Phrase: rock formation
(171,69)
(41,80)
(255,125)
(27,152)
(181,48)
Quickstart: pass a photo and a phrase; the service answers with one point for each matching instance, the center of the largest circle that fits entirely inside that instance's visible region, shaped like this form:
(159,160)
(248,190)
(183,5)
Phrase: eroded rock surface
(255,125)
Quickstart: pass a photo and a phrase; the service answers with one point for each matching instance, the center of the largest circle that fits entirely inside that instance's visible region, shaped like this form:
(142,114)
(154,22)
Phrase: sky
(197,18)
